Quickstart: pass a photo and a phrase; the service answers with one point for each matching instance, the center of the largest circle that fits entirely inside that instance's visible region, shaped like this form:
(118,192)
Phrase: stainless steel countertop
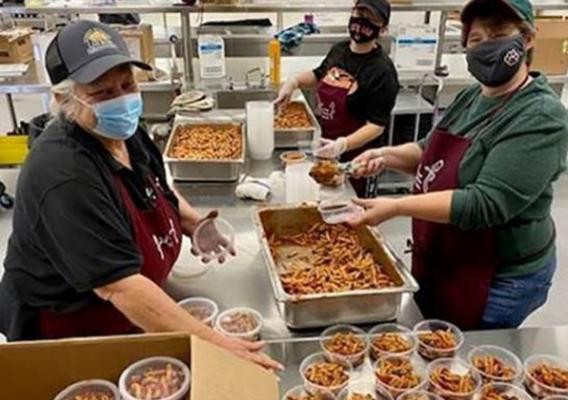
(244,280)
(523,342)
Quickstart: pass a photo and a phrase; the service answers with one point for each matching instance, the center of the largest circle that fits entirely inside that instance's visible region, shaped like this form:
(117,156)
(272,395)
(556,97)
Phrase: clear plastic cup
(534,386)
(201,239)
(362,388)
(504,390)
(429,352)
(233,322)
(506,357)
(457,367)
(321,358)
(136,371)
(356,359)
(83,388)
(300,393)
(395,332)
(419,395)
(201,308)
(338,213)
(418,369)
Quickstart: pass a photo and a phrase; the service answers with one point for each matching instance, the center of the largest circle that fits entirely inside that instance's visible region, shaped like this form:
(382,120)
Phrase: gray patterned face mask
(495,62)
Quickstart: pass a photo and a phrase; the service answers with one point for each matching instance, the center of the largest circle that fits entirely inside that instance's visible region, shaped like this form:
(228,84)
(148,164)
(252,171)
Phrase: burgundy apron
(158,236)
(453,267)
(337,121)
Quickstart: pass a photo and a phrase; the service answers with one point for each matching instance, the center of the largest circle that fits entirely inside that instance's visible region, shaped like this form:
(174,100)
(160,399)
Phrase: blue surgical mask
(117,118)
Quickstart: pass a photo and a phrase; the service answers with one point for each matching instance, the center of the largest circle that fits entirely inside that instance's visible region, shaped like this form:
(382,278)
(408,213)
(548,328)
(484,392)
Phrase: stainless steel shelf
(257,7)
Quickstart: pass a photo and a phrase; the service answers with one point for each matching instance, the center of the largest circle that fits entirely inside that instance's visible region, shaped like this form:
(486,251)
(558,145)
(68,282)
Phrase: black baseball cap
(381,8)
(85,50)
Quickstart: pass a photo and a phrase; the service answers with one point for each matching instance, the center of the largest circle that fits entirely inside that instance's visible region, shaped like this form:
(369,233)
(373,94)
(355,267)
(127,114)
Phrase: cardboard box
(40,370)
(551,47)
(140,42)
(16,46)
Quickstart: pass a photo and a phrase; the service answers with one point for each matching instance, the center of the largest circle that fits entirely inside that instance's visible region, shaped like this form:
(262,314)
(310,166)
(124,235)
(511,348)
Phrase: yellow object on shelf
(13,149)
(275,59)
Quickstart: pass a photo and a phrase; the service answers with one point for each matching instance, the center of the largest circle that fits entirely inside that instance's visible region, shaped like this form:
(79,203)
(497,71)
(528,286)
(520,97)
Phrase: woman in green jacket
(483,237)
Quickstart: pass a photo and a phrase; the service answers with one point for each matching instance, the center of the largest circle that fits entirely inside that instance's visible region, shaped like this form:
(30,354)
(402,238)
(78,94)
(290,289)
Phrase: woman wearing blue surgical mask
(97,228)
(484,248)
(356,87)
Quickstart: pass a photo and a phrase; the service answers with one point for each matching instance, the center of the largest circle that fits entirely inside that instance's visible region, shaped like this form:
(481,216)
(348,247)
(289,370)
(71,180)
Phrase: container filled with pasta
(501,391)
(452,379)
(495,364)
(318,373)
(396,375)
(240,322)
(546,376)
(201,308)
(362,390)
(391,339)
(438,339)
(300,393)
(345,342)
(205,149)
(329,274)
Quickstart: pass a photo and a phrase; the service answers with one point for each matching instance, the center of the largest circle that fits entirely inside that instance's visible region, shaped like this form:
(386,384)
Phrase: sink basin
(237,99)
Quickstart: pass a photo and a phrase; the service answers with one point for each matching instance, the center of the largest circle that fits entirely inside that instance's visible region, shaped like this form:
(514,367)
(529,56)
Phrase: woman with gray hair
(97,228)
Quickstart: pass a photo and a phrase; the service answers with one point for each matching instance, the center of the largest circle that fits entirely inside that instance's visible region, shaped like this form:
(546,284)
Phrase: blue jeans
(512,300)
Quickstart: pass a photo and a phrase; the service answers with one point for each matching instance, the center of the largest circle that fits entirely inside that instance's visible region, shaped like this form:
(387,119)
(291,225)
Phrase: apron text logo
(169,239)
(426,175)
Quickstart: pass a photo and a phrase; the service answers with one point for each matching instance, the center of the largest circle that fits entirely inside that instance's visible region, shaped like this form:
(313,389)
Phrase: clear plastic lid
(338,213)
(89,389)
(213,239)
(156,378)
(3,339)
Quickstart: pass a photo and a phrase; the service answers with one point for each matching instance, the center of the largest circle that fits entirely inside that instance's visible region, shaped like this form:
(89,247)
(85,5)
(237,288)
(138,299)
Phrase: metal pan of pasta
(295,123)
(205,149)
(329,274)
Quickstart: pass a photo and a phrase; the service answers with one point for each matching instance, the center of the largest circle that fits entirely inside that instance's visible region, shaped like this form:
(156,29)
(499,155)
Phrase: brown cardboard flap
(40,370)
(220,375)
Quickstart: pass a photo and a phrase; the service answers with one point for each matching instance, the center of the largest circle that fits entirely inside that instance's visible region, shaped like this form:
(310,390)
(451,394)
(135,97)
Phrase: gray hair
(60,108)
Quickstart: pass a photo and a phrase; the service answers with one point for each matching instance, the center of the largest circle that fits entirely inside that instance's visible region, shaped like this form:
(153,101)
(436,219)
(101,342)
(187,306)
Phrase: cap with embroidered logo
(86,50)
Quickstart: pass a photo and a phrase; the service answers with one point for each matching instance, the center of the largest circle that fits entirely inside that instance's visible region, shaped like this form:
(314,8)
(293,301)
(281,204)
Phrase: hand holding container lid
(260,129)
(213,239)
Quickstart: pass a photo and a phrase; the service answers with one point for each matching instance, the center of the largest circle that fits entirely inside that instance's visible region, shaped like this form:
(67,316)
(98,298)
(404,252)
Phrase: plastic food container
(319,358)
(556,397)
(202,234)
(293,157)
(504,390)
(454,366)
(84,388)
(364,389)
(132,378)
(402,333)
(201,308)
(430,352)
(338,213)
(419,395)
(509,360)
(3,339)
(356,359)
(241,322)
(300,393)
(539,389)
(418,367)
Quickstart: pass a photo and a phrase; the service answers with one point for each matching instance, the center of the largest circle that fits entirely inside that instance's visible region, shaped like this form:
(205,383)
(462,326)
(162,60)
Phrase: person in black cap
(356,84)
(484,242)
(97,228)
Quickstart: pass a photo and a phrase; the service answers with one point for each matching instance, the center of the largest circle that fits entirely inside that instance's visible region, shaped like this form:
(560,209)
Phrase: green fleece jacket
(506,176)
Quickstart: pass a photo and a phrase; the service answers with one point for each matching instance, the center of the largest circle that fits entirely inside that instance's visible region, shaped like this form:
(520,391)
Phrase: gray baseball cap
(85,50)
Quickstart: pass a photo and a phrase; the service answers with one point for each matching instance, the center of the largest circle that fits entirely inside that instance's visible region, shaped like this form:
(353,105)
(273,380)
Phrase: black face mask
(495,62)
(362,30)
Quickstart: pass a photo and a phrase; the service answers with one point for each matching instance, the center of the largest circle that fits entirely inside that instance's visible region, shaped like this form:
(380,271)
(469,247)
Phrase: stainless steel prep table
(244,281)
(523,342)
